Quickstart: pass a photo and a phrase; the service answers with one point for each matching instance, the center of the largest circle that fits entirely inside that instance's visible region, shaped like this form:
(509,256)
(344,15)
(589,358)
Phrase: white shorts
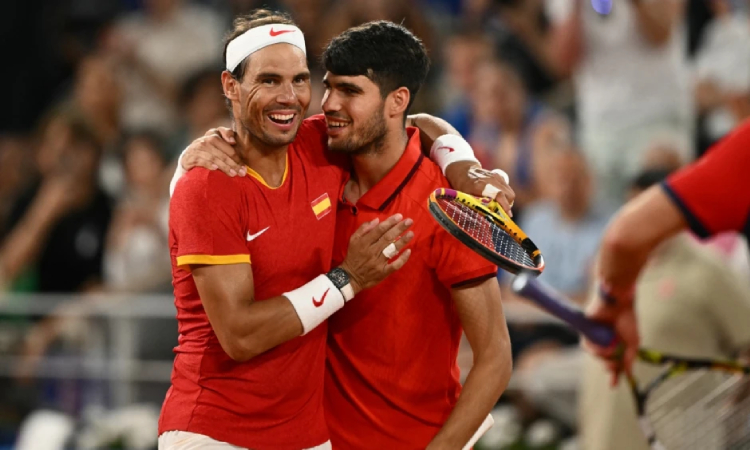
(184,440)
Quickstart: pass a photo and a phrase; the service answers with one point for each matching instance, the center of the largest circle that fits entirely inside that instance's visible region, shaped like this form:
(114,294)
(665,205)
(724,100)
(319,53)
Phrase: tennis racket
(689,404)
(483,226)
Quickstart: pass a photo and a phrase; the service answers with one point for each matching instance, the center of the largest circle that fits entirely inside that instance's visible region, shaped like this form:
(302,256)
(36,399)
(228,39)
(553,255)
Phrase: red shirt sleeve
(713,193)
(208,217)
(456,264)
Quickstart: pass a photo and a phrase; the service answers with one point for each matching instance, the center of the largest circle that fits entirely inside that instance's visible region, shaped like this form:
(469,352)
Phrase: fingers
(217,145)
(404,240)
(227,134)
(213,152)
(364,229)
(379,231)
(201,158)
(503,202)
(398,262)
(394,232)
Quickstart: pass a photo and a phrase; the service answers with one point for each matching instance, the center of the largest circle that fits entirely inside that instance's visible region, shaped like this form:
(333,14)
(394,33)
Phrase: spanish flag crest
(321,206)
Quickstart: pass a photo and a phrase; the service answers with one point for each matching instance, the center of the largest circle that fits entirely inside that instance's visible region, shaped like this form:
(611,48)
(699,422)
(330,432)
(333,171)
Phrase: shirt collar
(385,190)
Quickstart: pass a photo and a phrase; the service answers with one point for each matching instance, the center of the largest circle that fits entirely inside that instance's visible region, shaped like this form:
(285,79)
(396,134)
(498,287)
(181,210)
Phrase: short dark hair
(386,53)
(255,19)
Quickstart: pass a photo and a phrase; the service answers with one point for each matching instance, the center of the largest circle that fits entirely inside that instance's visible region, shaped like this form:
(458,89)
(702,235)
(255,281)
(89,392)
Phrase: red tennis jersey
(275,400)
(392,378)
(713,192)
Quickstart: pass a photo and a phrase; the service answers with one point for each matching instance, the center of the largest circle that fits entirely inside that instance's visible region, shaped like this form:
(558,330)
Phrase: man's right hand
(365,262)
(214,150)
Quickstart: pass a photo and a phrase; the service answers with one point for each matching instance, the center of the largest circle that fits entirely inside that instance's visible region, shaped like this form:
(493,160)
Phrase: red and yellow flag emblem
(321,206)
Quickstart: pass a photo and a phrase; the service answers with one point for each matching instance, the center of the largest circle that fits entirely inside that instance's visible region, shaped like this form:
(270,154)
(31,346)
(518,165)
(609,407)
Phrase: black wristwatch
(340,278)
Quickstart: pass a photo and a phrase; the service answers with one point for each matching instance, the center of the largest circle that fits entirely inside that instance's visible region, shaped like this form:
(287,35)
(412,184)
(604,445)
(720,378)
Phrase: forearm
(430,128)
(655,19)
(25,242)
(567,44)
(485,383)
(261,326)
(639,227)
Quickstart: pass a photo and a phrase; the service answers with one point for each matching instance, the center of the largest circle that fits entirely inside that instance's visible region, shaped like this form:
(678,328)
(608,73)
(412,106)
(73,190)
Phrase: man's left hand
(470,178)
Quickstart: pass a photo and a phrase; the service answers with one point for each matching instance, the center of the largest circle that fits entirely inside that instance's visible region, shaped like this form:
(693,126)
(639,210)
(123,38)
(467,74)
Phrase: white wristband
(315,302)
(177,174)
(450,148)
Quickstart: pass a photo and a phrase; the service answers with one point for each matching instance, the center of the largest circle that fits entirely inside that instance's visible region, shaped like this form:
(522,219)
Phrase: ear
(399,101)
(231,86)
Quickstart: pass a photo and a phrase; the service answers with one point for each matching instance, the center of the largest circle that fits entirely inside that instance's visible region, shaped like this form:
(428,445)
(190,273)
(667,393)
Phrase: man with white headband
(269,126)
(251,354)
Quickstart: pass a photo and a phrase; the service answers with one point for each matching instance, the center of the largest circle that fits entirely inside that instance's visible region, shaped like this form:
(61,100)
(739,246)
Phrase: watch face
(339,277)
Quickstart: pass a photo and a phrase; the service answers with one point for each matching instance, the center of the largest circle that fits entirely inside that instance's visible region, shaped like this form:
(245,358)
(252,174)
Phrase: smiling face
(354,110)
(272,98)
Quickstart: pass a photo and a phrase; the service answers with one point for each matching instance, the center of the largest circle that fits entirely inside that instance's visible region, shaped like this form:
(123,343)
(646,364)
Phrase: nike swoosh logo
(250,237)
(317,303)
(450,149)
(274,33)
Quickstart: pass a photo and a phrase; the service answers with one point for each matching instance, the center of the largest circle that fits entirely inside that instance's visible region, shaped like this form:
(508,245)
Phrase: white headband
(255,39)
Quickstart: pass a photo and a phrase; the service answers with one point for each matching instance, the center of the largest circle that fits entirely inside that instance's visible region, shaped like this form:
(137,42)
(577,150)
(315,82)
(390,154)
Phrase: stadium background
(100,96)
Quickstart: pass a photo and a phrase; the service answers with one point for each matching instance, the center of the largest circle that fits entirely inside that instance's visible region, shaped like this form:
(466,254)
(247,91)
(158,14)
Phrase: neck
(268,161)
(371,166)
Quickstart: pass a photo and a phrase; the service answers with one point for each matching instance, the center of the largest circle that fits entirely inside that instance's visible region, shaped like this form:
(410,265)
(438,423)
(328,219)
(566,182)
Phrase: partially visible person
(709,196)
(156,48)
(688,302)
(137,253)
(58,227)
(632,81)
(98,96)
(202,107)
(568,225)
(402,390)
(522,35)
(722,66)
(462,53)
(15,174)
(512,130)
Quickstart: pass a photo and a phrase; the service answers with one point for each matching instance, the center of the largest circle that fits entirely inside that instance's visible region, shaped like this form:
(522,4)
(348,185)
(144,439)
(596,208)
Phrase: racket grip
(556,304)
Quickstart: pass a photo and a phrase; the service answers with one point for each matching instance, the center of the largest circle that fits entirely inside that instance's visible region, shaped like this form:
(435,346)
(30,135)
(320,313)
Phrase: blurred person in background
(14,174)
(631,79)
(510,129)
(156,48)
(97,95)
(137,253)
(462,53)
(722,66)
(202,107)
(568,224)
(687,303)
(522,35)
(59,225)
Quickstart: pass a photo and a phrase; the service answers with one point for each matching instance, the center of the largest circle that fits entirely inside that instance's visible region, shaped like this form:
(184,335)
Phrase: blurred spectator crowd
(101,96)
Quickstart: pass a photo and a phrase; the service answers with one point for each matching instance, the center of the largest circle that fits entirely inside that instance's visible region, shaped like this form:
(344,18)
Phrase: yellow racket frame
(491,210)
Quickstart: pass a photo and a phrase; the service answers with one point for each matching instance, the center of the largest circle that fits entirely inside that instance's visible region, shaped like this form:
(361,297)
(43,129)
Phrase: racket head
(483,226)
(692,404)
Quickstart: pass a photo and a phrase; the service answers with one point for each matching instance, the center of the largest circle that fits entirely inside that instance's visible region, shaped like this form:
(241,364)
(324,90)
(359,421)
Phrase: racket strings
(485,232)
(701,410)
